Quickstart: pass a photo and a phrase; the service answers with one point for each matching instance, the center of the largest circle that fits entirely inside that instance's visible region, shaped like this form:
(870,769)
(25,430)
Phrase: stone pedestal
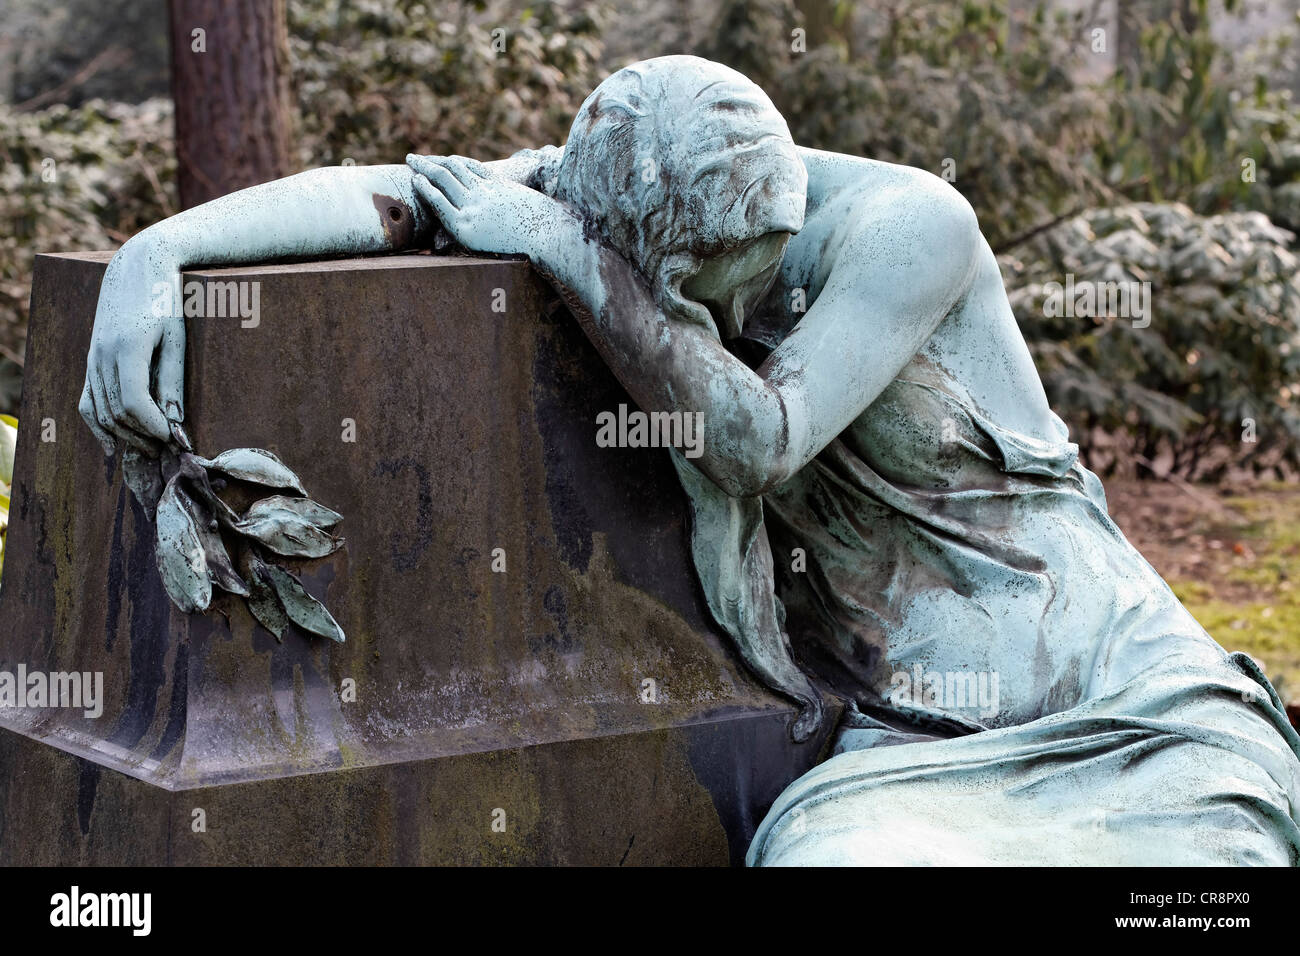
(578,708)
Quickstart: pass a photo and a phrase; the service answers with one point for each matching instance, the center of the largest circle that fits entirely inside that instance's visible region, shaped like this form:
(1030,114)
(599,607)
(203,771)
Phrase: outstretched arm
(909,257)
(333,211)
(346,210)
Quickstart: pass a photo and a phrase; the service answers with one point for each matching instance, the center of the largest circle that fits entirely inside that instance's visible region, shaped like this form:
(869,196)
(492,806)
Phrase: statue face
(731,285)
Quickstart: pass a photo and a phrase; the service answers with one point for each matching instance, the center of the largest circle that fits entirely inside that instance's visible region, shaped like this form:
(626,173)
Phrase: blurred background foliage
(1157,151)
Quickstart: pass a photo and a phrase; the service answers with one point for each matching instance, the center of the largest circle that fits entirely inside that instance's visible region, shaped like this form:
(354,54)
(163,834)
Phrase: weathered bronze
(884,504)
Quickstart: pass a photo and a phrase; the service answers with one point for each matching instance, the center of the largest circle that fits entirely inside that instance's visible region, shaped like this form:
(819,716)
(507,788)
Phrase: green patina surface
(902,400)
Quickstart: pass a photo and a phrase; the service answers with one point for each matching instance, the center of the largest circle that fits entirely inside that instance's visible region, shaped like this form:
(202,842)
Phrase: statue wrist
(145,257)
(557,248)
(136,273)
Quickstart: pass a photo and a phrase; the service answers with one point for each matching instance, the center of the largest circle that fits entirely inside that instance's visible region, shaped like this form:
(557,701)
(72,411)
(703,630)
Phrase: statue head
(687,169)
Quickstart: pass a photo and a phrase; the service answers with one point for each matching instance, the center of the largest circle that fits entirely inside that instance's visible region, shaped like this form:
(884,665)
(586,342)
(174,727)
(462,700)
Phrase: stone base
(688,795)
(582,701)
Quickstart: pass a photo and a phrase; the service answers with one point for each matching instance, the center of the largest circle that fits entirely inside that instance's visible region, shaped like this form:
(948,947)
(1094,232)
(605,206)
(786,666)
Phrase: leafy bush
(84,178)
(1271,139)
(74,51)
(1213,378)
(378,80)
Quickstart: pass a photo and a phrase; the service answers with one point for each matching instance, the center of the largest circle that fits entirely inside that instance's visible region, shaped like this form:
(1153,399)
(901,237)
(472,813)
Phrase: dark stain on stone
(564,490)
(744,770)
(408,549)
(87,784)
(558,608)
(571,384)
(39,573)
(116,587)
(176,713)
(150,635)
(397,220)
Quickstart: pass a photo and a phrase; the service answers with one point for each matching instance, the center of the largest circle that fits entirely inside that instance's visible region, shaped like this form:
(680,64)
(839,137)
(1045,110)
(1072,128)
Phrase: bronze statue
(884,504)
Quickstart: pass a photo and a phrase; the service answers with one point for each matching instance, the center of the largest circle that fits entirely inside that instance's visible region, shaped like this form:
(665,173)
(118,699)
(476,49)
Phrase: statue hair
(674,160)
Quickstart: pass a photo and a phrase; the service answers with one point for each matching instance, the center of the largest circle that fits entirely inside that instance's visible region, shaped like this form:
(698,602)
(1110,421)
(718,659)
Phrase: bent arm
(909,259)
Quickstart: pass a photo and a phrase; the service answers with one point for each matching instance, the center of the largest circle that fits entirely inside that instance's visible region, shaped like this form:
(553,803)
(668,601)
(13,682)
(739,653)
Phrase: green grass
(1253,605)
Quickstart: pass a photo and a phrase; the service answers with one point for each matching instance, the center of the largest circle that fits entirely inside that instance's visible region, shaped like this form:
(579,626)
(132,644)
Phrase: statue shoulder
(919,196)
(903,225)
(872,188)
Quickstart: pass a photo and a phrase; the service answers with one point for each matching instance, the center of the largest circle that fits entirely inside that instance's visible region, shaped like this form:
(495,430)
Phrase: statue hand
(117,401)
(482,212)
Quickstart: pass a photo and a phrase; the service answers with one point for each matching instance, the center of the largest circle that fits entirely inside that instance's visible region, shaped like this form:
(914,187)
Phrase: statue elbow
(768,458)
(756,476)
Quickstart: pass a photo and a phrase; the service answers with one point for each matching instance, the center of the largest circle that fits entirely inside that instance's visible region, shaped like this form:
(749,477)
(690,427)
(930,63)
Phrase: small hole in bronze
(395,213)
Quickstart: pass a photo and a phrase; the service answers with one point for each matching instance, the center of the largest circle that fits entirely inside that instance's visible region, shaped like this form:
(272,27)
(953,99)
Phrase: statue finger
(459,167)
(442,207)
(445,180)
(478,168)
(138,408)
(87,409)
(126,427)
(112,392)
(420,164)
(171,372)
(104,412)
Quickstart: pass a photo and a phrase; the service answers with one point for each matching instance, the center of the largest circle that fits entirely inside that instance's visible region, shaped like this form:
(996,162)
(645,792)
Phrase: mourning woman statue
(885,507)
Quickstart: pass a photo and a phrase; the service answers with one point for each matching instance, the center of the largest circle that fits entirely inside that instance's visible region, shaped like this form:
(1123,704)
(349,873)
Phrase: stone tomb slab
(583,698)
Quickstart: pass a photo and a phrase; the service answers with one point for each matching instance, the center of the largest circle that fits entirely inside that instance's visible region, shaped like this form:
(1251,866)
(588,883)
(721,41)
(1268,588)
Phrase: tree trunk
(1128,47)
(818,19)
(230,84)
